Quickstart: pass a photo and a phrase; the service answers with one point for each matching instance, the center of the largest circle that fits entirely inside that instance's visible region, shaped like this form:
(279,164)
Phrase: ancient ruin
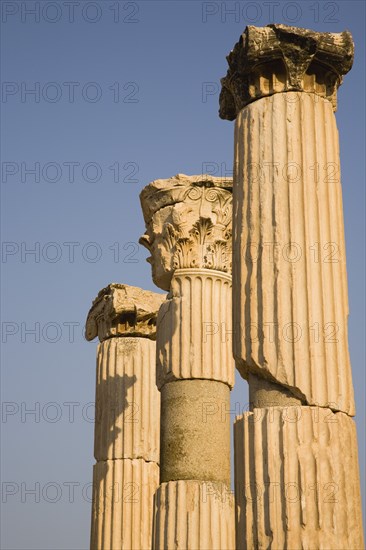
(166,363)
(127,420)
(188,233)
(296,465)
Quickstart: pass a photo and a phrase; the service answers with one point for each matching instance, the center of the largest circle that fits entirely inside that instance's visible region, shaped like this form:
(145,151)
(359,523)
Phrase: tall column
(290,287)
(127,422)
(188,232)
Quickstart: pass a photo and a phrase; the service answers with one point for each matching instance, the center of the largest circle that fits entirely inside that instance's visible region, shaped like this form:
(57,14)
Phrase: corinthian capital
(123,310)
(188,225)
(278,58)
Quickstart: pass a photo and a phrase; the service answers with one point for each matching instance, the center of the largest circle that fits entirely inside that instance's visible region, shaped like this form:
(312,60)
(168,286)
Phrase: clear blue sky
(121,97)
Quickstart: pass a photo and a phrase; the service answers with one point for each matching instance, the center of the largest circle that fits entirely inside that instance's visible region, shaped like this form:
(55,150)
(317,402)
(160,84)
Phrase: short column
(127,422)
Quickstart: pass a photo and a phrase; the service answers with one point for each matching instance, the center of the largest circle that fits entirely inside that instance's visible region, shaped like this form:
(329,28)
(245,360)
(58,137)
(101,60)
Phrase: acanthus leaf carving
(218,256)
(192,229)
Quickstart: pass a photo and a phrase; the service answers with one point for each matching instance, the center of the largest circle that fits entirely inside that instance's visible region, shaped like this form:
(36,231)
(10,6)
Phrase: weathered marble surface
(194,339)
(122,509)
(127,417)
(127,400)
(193,515)
(188,225)
(296,466)
(188,233)
(296,479)
(123,310)
(280,58)
(195,431)
(289,274)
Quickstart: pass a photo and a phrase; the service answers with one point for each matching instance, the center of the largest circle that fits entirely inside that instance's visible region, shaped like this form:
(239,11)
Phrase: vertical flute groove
(193,515)
(127,440)
(302,471)
(294,310)
(199,339)
(128,400)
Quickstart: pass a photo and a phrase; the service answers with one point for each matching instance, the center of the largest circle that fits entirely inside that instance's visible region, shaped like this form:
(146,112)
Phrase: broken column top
(123,310)
(188,224)
(165,192)
(279,58)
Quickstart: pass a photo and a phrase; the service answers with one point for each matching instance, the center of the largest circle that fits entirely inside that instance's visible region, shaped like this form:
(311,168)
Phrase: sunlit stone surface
(188,233)
(290,303)
(127,419)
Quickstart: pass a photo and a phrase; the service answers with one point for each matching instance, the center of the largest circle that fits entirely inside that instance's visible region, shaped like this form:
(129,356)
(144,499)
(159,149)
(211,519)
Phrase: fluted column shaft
(127,422)
(126,448)
(192,514)
(194,505)
(126,399)
(290,317)
(194,334)
(195,372)
(188,223)
(296,478)
(290,326)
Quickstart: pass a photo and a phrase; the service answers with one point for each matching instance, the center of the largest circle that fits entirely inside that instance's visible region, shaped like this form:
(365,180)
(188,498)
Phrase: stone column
(290,288)
(188,232)
(127,421)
